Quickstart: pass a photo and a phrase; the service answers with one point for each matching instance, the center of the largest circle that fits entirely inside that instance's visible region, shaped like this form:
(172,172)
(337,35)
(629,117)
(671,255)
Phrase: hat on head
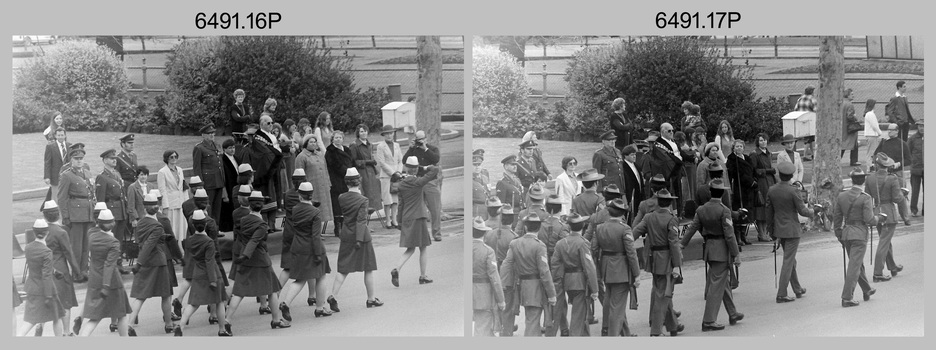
(49,205)
(305,188)
(128,138)
(528,136)
(641,143)
(150,199)
(715,166)
(387,129)
(628,150)
(718,183)
(100,206)
(511,159)
(420,135)
(892,126)
(619,203)
(553,199)
(40,224)
(575,218)
(256,196)
(244,168)
(106,215)
(199,216)
(478,224)
(527,144)
(532,217)
(244,190)
(155,192)
(201,194)
(537,192)
(708,147)
(493,202)
(507,209)
(111,153)
(412,162)
(352,173)
(195,180)
(665,194)
(919,121)
(612,188)
(788,138)
(299,173)
(75,149)
(786,168)
(658,178)
(207,129)
(608,135)
(883,160)
(857,172)
(478,153)
(590,175)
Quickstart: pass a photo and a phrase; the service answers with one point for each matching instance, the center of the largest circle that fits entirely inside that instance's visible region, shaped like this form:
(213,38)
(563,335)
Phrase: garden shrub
(500,90)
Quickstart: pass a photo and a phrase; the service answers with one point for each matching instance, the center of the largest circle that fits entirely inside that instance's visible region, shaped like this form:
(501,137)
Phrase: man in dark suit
(633,183)
(897,111)
(852,214)
(229,166)
(206,163)
(127,160)
(109,188)
(608,162)
(671,149)
(783,204)
(56,155)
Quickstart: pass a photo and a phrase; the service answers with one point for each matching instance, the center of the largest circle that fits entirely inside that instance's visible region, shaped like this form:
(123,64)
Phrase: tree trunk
(429,87)
(826,169)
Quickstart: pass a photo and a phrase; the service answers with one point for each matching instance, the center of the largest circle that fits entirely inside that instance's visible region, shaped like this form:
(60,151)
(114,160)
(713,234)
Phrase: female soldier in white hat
(62,261)
(106,296)
(356,252)
(414,215)
(309,263)
(151,275)
(207,282)
(42,303)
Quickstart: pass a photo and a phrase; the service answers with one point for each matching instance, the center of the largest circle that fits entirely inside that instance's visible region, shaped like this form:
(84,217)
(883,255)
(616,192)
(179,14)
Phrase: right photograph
(766,186)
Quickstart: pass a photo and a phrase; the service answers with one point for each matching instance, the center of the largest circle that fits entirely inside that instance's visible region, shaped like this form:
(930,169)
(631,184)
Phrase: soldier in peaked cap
(609,162)
(587,202)
(479,185)
(509,189)
(851,217)
(127,160)
(487,295)
(528,164)
(572,264)
(783,204)
(110,189)
(884,189)
(75,200)
(719,250)
(664,257)
(618,268)
(526,265)
(206,163)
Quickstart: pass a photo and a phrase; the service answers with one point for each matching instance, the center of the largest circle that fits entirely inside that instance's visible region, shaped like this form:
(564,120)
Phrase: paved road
(435,309)
(895,310)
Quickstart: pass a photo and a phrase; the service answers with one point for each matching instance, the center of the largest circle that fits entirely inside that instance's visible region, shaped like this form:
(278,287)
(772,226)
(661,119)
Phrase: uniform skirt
(201,293)
(356,260)
(17,300)
(37,311)
(286,257)
(115,305)
(415,234)
(304,268)
(151,281)
(253,281)
(65,288)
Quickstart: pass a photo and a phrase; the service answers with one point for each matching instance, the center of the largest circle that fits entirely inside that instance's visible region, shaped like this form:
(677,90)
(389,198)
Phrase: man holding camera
(429,155)
(856,209)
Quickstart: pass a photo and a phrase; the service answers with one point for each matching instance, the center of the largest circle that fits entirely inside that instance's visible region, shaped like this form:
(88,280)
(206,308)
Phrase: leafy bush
(500,91)
(755,116)
(84,81)
(303,78)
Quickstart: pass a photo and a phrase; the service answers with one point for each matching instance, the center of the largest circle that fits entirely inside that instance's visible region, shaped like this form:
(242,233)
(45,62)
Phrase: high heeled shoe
(177,331)
(227,328)
(169,329)
(113,327)
(76,327)
(176,307)
(311,301)
(265,310)
(39,328)
(424,280)
(224,334)
(131,332)
(322,313)
(285,310)
(333,304)
(395,277)
(375,303)
(279,324)
(212,320)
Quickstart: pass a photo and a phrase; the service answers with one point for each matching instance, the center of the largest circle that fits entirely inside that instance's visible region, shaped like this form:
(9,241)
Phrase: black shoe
(395,277)
(896,270)
(265,310)
(311,301)
(593,320)
(131,332)
(786,299)
(169,329)
(38,330)
(564,333)
(437,238)
(279,324)
(882,278)
(177,331)
(285,310)
(322,313)
(677,313)
(76,326)
(849,303)
(801,293)
(212,320)
(680,328)
(333,304)
(424,280)
(227,328)
(113,328)
(604,332)
(712,327)
(733,319)
(176,307)
(174,316)
(224,334)
(375,303)
(855,164)
(867,295)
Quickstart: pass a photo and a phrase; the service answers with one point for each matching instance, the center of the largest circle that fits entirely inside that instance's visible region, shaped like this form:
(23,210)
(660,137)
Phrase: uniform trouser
(916,182)
(509,315)
(605,307)
(78,234)
(661,306)
(718,291)
(578,323)
(121,229)
(533,315)
(885,251)
(560,314)
(855,272)
(616,299)
(214,202)
(483,323)
(788,271)
(433,196)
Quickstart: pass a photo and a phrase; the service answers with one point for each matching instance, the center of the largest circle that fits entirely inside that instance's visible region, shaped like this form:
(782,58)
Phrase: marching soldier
(75,200)
(536,196)
(664,257)
(618,267)
(499,239)
(854,212)
(783,203)
(586,203)
(609,194)
(492,209)
(884,188)
(509,189)
(486,288)
(720,251)
(649,205)
(110,189)
(127,161)
(527,267)
(552,230)
(609,162)
(572,265)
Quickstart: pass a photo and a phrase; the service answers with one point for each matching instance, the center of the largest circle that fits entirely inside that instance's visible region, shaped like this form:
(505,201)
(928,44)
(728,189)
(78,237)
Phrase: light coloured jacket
(388,162)
(171,190)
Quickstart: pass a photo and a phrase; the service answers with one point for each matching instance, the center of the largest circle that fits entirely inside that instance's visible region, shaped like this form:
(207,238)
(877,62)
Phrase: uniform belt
(610,253)
(530,277)
(572,269)
(855,223)
(657,248)
(79,197)
(480,280)
(708,237)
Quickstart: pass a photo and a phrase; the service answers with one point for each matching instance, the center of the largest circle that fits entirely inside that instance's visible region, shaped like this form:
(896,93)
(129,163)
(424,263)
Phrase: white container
(399,114)
(800,124)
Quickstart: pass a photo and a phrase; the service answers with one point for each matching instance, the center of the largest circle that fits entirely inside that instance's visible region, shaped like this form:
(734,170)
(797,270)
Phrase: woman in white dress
(323,129)
(872,130)
(567,186)
(171,182)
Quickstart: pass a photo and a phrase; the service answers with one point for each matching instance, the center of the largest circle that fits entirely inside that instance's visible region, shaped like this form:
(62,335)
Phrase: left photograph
(203,186)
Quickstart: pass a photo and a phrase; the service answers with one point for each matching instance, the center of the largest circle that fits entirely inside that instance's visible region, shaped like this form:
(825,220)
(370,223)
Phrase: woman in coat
(309,263)
(207,282)
(151,273)
(356,251)
(42,302)
(362,152)
(622,125)
(766,177)
(338,158)
(171,184)
(567,186)
(389,160)
(106,296)
(743,184)
(229,167)
(312,161)
(849,139)
(62,261)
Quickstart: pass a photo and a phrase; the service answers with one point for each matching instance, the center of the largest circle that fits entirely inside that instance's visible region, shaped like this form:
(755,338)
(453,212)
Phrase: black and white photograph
(312,182)
(766,186)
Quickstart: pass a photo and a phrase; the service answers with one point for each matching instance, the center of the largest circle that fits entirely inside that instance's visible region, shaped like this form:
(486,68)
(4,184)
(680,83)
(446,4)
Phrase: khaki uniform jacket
(109,188)
(75,197)
(486,290)
(614,243)
(714,220)
(551,231)
(783,203)
(885,190)
(526,264)
(608,161)
(587,202)
(662,241)
(853,213)
(499,239)
(510,192)
(572,265)
(206,163)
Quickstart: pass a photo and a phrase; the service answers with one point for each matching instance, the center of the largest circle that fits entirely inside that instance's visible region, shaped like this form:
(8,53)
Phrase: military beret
(608,135)
(511,159)
(207,129)
(575,218)
(478,224)
(111,153)
(305,188)
(786,168)
(718,184)
(619,203)
(128,138)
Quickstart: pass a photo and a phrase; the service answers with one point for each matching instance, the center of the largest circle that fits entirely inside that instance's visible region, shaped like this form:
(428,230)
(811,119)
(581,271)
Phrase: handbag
(853,126)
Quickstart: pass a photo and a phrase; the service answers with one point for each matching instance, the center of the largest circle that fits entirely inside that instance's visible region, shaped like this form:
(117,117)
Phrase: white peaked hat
(299,172)
(201,193)
(150,199)
(244,190)
(106,215)
(40,223)
(49,205)
(100,206)
(305,187)
(352,173)
(198,215)
(243,168)
(156,193)
(256,196)
(195,180)
(412,161)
